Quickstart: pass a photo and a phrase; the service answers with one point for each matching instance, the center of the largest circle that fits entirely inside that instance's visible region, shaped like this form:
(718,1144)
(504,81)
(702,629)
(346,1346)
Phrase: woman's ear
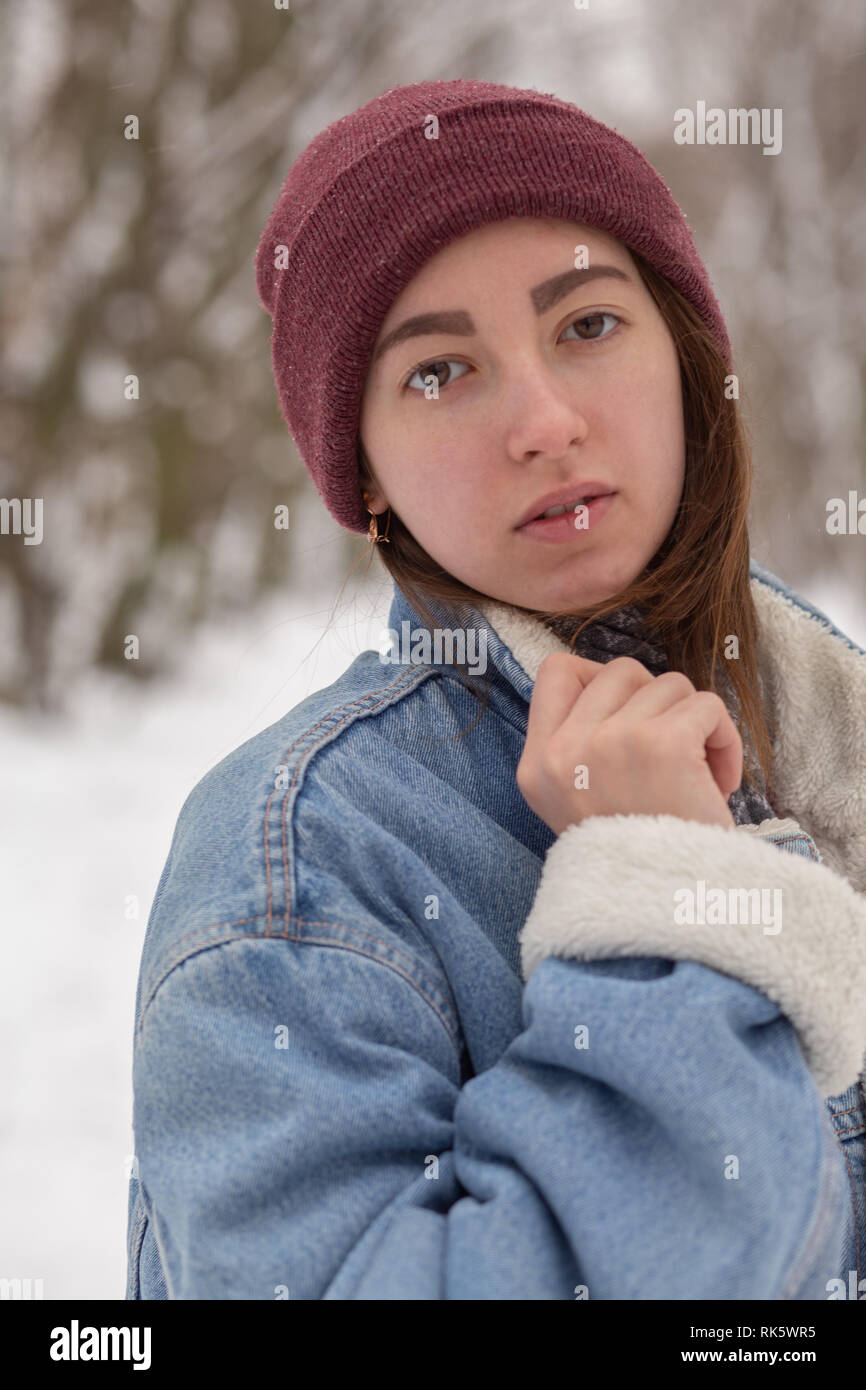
(375,500)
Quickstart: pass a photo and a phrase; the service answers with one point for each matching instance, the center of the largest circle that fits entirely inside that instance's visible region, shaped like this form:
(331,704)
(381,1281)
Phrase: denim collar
(498,653)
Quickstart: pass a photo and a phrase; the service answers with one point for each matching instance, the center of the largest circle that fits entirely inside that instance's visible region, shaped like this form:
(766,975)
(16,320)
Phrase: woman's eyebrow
(457,321)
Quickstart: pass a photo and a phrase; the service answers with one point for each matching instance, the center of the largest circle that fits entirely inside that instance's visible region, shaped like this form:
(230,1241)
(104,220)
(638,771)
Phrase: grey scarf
(625,633)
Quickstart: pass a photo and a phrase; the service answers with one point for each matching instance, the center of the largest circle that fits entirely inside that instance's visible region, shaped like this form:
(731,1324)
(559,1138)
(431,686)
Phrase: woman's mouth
(570,522)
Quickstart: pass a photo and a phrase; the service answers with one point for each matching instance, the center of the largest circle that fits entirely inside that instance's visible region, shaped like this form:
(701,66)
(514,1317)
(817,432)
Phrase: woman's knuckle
(712,701)
(629,665)
(677,680)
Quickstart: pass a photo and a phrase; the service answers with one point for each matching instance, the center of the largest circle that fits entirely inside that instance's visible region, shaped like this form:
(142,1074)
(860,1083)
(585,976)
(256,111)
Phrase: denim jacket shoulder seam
(400,686)
(401,963)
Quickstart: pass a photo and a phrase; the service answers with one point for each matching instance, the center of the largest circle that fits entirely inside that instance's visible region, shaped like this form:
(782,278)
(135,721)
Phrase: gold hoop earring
(374,536)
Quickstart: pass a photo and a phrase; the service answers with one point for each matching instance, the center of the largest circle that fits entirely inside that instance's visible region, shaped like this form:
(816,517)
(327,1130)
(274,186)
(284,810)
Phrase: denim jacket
(395,1039)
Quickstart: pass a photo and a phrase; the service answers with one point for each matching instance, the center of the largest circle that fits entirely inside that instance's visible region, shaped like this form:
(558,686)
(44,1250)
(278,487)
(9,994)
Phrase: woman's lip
(562,527)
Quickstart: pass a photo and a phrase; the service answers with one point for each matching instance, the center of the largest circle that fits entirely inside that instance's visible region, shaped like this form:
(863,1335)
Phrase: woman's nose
(542,415)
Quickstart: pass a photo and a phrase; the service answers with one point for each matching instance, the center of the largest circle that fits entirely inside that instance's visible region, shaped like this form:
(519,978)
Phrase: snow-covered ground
(86,822)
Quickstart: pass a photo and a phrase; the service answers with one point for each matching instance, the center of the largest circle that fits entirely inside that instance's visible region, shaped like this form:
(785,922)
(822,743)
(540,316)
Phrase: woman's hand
(650,745)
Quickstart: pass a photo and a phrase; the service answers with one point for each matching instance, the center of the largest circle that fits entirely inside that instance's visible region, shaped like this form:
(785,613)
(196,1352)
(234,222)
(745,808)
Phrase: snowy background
(86,822)
(138,256)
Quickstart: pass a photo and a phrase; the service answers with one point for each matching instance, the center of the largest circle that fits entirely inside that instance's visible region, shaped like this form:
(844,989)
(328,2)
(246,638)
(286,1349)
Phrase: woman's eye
(434,370)
(594,320)
(440,368)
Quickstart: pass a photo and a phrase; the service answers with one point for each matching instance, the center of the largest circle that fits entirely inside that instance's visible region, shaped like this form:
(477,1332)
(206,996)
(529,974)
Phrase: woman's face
(545,385)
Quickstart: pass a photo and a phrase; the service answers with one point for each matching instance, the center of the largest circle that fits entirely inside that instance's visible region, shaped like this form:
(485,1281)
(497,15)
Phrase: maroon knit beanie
(372,198)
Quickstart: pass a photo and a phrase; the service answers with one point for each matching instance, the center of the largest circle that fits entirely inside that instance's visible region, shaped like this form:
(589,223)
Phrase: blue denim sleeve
(652,1133)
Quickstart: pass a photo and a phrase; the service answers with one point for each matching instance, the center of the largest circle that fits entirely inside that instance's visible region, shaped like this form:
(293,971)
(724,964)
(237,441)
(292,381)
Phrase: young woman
(527,960)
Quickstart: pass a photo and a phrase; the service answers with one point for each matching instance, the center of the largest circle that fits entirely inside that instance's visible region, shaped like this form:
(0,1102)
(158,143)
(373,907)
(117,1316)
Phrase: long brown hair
(695,592)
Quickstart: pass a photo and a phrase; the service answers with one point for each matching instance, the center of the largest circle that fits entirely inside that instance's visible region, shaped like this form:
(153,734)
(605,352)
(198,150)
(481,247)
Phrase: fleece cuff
(664,886)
